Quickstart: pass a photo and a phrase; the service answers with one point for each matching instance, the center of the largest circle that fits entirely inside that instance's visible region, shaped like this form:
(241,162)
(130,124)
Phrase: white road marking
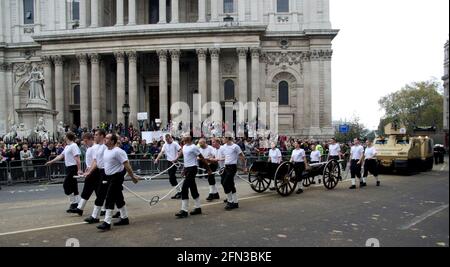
(423,217)
(42,229)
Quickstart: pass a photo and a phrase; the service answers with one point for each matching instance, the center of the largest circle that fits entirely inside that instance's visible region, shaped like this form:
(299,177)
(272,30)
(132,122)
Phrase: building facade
(445,79)
(97,55)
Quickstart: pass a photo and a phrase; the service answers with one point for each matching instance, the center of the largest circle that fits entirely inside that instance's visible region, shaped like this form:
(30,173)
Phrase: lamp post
(126,113)
(258,101)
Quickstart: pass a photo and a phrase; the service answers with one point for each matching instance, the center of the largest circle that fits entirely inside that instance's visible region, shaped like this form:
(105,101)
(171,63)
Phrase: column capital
(120,56)
(215,52)
(132,56)
(255,51)
(5,67)
(95,58)
(175,54)
(242,52)
(162,54)
(82,58)
(58,59)
(47,61)
(202,52)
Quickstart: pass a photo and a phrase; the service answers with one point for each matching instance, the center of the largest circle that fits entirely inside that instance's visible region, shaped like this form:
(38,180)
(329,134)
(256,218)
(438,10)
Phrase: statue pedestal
(37,104)
(30,117)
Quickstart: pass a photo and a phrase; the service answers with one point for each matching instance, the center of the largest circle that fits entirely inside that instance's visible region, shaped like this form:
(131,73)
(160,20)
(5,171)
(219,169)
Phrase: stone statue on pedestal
(40,130)
(61,131)
(22,132)
(36,91)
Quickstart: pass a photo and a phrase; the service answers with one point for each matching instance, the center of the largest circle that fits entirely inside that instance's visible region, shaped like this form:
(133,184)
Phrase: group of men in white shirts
(107,165)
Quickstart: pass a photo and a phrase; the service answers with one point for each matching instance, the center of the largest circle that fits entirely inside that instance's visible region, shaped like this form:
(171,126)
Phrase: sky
(382,46)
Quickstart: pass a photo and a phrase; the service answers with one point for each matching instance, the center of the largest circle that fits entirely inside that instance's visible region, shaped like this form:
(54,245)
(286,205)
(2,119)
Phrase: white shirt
(275,155)
(334,149)
(298,155)
(70,152)
(315,156)
(217,153)
(230,153)
(190,154)
(99,156)
(171,150)
(114,160)
(90,155)
(370,153)
(357,152)
(208,152)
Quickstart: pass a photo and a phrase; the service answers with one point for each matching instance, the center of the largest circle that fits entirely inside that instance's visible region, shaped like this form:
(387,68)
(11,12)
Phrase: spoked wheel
(331,174)
(285,179)
(307,182)
(258,179)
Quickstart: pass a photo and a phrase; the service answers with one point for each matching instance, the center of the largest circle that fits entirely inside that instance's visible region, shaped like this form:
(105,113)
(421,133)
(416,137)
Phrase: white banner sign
(150,137)
(143,116)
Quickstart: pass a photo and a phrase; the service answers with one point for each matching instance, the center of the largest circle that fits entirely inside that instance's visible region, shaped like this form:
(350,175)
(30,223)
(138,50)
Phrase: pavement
(404,211)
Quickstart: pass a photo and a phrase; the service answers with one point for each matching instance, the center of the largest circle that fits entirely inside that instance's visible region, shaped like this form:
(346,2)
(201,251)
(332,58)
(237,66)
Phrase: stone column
(272,12)
(59,87)
(120,59)
(201,10)
(327,89)
(84,90)
(94,13)
(163,94)
(95,90)
(215,81)
(255,52)
(315,89)
(175,85)
(294,11)
(131,12)
(162,12)
(242,54)
(254,9)
(175,15)
(202,80)
(63,15)
(120,13)
(48,78)
(3,95)
(133,87)
(214,10)
(241,10)
(83,14)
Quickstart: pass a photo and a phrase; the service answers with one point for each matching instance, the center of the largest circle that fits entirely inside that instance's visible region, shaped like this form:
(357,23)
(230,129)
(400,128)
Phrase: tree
(416,104)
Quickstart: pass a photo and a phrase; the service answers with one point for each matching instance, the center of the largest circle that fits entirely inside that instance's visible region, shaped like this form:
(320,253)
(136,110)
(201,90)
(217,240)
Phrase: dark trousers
(371,165)
(173,175)
(114,196)
(91,184)
(70,183)
(333,158)
(228,179)
(102,188)
(355,169)
(213,167)
(189,183)
(299,168)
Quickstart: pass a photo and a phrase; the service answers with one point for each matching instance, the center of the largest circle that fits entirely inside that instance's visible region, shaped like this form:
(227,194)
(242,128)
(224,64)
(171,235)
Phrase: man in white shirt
(92,181)
(298,157)
(370,162)
(274,159)
(191,155)
(209,153)
(171,151)
(116,165)
(356,157)
(334,150)
(314,158)
(230,153)
(71,156)
(98,170)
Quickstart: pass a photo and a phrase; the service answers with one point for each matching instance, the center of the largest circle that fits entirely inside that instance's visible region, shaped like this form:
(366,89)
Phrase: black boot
(91,220)
(378,183)
(352,187)
(362,184)
(216,196)
(197,211)
(104,226)
(117,215)
(77,211)
(182,214)
(102,213)
(177,196)
(231,206)
(122,222)
(300,191)
(210,197)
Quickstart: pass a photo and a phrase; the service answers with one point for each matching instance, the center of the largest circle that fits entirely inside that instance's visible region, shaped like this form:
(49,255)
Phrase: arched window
(283,93)
(229,90)
(76,95)
(76,10)
(282,6)
(228,6)
(28,11)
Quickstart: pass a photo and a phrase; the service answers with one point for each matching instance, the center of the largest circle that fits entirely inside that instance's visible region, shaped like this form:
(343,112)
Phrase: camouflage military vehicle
(402,152)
